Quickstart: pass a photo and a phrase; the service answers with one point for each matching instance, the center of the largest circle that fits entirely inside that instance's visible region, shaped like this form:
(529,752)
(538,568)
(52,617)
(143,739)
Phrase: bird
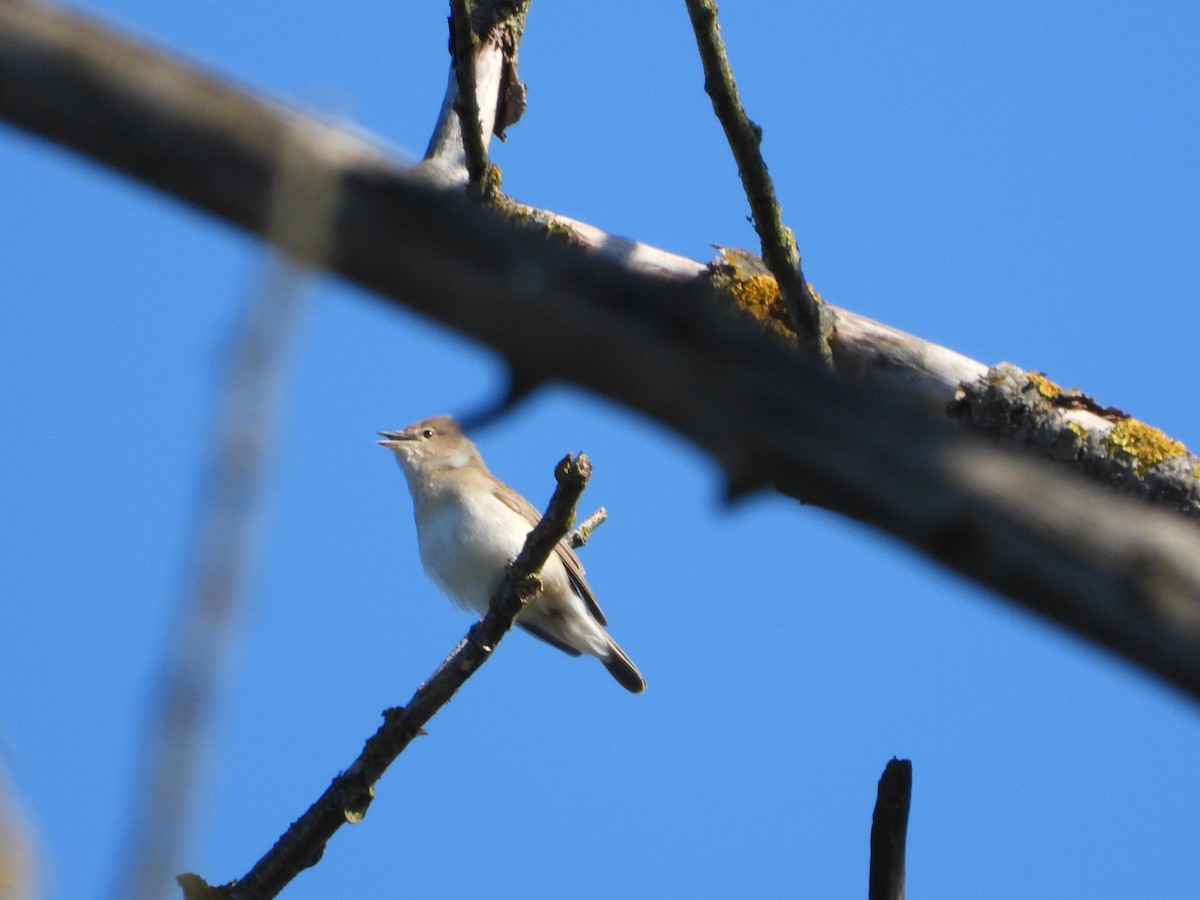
(471,526)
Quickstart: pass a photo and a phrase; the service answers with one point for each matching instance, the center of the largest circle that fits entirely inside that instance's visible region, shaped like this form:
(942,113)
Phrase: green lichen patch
(1144,444)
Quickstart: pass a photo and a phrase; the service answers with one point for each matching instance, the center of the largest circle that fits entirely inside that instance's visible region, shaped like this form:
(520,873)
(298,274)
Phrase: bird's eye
(428,433)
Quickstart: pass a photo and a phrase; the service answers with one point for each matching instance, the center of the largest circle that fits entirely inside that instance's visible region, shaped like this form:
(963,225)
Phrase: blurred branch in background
(18,858)
(228,522)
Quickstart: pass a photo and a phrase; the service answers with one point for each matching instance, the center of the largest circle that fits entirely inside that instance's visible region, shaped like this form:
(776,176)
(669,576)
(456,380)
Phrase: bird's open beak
(393,439)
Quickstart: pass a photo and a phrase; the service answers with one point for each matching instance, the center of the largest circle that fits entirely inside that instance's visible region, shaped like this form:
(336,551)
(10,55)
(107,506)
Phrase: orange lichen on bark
(759,296)
(753,289)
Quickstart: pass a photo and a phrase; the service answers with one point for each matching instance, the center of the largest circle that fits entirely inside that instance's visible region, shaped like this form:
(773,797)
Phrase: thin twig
(229,518)
(347,798)
(479,168)
(778,242)
(889,831)
(583,532)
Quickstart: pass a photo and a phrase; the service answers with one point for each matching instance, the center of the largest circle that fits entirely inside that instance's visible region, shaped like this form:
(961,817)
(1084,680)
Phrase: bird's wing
(566,555)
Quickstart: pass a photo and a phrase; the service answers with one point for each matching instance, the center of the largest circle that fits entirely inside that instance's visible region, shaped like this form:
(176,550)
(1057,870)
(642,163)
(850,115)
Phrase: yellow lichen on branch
(1045,386)
(759,296)
(753,288)
(1145,444)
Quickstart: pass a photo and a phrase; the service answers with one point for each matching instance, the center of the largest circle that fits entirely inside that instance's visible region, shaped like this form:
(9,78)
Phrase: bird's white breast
(466,540)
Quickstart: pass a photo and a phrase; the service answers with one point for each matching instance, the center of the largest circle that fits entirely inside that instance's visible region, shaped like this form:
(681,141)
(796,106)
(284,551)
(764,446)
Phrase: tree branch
(616,317)
(889,831)
(84,86)
(485,35)
(1028,410)
(583,532)
(465,45)
(347,798)
(745,138)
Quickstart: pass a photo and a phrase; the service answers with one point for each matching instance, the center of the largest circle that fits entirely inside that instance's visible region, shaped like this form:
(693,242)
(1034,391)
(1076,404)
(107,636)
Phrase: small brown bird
(471,525)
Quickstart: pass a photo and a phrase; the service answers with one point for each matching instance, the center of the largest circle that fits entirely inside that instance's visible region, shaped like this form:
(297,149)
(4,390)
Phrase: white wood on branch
(1116,571)
(445,160)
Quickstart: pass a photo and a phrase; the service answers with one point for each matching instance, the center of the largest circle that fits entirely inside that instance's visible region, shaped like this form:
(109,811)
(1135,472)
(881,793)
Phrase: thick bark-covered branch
(623,323)
(196,137)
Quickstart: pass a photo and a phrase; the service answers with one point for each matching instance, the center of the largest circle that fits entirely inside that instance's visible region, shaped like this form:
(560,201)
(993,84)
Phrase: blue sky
(1015,181)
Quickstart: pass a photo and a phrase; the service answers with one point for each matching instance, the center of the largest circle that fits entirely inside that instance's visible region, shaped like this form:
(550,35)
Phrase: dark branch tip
(573,472)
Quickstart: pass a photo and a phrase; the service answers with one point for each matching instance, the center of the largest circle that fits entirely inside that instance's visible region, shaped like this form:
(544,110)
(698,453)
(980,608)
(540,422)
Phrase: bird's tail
(621,667)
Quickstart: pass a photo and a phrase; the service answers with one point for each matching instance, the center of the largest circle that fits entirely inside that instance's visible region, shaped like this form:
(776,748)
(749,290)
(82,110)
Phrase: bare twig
(583,532)
(347,798)
(479,168)
(228,521)
(645,336)
(485,75)
(889,831)
(745,137)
